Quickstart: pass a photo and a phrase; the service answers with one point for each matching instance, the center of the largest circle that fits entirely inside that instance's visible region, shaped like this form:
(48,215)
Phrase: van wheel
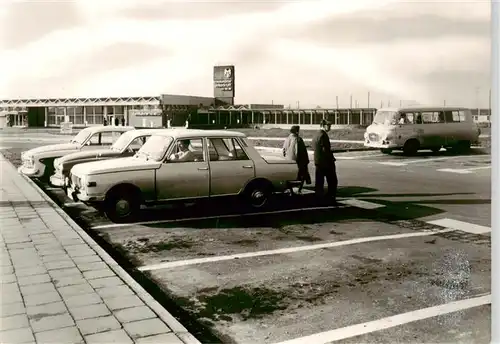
(122,206)
(463,146)
(258,193)
(435,149)
(386,150)
(411,147)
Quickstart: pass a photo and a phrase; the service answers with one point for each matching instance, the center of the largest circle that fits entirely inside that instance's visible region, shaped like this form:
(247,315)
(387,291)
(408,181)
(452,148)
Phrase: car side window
(236,150)
(187,150)
(103,139)
(137,143)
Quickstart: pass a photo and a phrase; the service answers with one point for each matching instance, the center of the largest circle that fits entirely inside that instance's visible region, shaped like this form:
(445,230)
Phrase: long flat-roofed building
(171,110)
(164,110)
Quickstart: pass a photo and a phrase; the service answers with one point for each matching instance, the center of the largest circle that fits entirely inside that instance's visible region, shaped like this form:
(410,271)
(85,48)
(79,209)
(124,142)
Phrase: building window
(118,110)
(79,115)
(98,110)
(70,112)
(110,110)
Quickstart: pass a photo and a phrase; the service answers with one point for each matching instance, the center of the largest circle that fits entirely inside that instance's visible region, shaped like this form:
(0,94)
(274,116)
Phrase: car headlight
(28,161)
(83,181)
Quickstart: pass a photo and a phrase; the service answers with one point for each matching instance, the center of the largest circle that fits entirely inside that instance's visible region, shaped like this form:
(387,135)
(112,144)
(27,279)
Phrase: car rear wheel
(386,150)
(258,193)
(435,149)
(122,206)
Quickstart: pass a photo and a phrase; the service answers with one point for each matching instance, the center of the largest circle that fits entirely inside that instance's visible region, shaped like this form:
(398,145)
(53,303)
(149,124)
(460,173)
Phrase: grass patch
(247,303)
(143,245)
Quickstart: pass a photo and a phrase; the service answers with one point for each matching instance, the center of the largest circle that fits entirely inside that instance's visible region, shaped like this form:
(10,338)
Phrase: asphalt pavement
(406,259)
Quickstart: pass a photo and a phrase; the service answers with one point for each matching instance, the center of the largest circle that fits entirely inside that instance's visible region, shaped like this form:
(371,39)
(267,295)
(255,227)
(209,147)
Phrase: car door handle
(202,168)
(247,166)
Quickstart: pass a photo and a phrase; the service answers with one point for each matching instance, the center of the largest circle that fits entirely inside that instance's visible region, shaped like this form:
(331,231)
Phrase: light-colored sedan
(39,162)
(127,145)
(181,165)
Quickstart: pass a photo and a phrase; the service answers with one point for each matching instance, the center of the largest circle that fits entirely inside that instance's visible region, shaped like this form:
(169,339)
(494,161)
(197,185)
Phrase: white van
(414,128)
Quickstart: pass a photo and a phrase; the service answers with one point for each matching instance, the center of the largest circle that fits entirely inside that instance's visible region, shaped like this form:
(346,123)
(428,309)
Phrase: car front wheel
(122,207)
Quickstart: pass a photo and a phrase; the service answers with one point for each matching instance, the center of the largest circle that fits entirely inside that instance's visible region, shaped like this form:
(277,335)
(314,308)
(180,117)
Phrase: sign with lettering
(66,128)
(146,112)
(224,81)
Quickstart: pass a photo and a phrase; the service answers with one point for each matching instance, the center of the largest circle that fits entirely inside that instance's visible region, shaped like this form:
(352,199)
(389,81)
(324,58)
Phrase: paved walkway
(58,286)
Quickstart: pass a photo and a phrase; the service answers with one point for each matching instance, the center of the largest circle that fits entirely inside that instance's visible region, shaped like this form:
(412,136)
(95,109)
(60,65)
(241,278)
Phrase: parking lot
(407,256)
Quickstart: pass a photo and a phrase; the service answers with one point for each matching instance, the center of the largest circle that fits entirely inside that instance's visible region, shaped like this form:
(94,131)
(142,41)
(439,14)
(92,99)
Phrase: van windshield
(385,117)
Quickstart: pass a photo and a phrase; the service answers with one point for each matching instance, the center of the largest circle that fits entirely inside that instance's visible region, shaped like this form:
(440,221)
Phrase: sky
(297,53)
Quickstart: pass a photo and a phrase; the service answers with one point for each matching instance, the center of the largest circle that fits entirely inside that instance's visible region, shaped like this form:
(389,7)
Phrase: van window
(450,116)
(386,117)
(429,117)
(407,118)
(459,116)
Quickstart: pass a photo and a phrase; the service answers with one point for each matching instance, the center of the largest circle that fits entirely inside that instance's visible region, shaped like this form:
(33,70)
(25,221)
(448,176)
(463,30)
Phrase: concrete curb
(177,328)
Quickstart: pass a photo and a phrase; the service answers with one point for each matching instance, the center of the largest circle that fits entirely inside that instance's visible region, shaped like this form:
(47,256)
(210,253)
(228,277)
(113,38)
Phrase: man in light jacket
(295,149)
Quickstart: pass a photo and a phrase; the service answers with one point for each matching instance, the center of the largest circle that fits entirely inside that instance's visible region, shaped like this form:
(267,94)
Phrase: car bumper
(380,145)
(31,172)
(57,180)
(77,195)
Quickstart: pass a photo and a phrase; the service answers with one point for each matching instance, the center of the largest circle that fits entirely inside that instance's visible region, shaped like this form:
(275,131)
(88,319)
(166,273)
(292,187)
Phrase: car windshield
(123,141)
(385,117)
(155,147)
(82,136)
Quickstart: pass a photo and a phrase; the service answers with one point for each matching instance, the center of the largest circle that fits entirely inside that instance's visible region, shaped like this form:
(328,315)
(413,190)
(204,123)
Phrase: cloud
(167,10)
(24,22)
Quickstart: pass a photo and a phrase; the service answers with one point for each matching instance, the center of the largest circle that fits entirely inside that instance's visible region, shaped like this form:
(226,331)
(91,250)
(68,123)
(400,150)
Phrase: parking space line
(196,261)
(419,161)
(214,217)
(461,226)
(391,321)
(465,170)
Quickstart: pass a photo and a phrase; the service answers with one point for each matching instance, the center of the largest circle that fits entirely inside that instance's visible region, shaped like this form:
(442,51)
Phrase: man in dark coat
(325,163)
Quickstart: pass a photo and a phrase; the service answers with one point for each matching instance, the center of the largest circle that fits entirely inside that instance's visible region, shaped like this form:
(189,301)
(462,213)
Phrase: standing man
(325,163)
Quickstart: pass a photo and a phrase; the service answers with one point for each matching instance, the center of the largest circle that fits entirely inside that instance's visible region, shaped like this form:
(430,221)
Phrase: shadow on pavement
(444,153)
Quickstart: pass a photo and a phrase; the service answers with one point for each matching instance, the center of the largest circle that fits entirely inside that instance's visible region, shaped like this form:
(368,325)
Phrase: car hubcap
(122,208)
(259,197)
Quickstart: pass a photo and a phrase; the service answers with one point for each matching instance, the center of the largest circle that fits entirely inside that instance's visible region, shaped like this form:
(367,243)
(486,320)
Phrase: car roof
(187,133)
(105,128)
(423,108)
(152,131)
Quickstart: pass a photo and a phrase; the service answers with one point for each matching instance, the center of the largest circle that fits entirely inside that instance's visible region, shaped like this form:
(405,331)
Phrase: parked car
(181,165)
(39,162)
(126,145)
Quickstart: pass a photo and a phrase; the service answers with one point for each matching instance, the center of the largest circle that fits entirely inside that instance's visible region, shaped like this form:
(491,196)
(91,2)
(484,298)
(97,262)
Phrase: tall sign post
(224,85)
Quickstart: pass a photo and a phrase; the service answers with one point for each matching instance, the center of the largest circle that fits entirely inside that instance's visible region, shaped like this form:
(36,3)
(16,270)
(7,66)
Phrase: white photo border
(495,147)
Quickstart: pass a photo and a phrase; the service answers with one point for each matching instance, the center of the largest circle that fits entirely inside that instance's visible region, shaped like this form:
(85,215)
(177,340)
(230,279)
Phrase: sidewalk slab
(58,285)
